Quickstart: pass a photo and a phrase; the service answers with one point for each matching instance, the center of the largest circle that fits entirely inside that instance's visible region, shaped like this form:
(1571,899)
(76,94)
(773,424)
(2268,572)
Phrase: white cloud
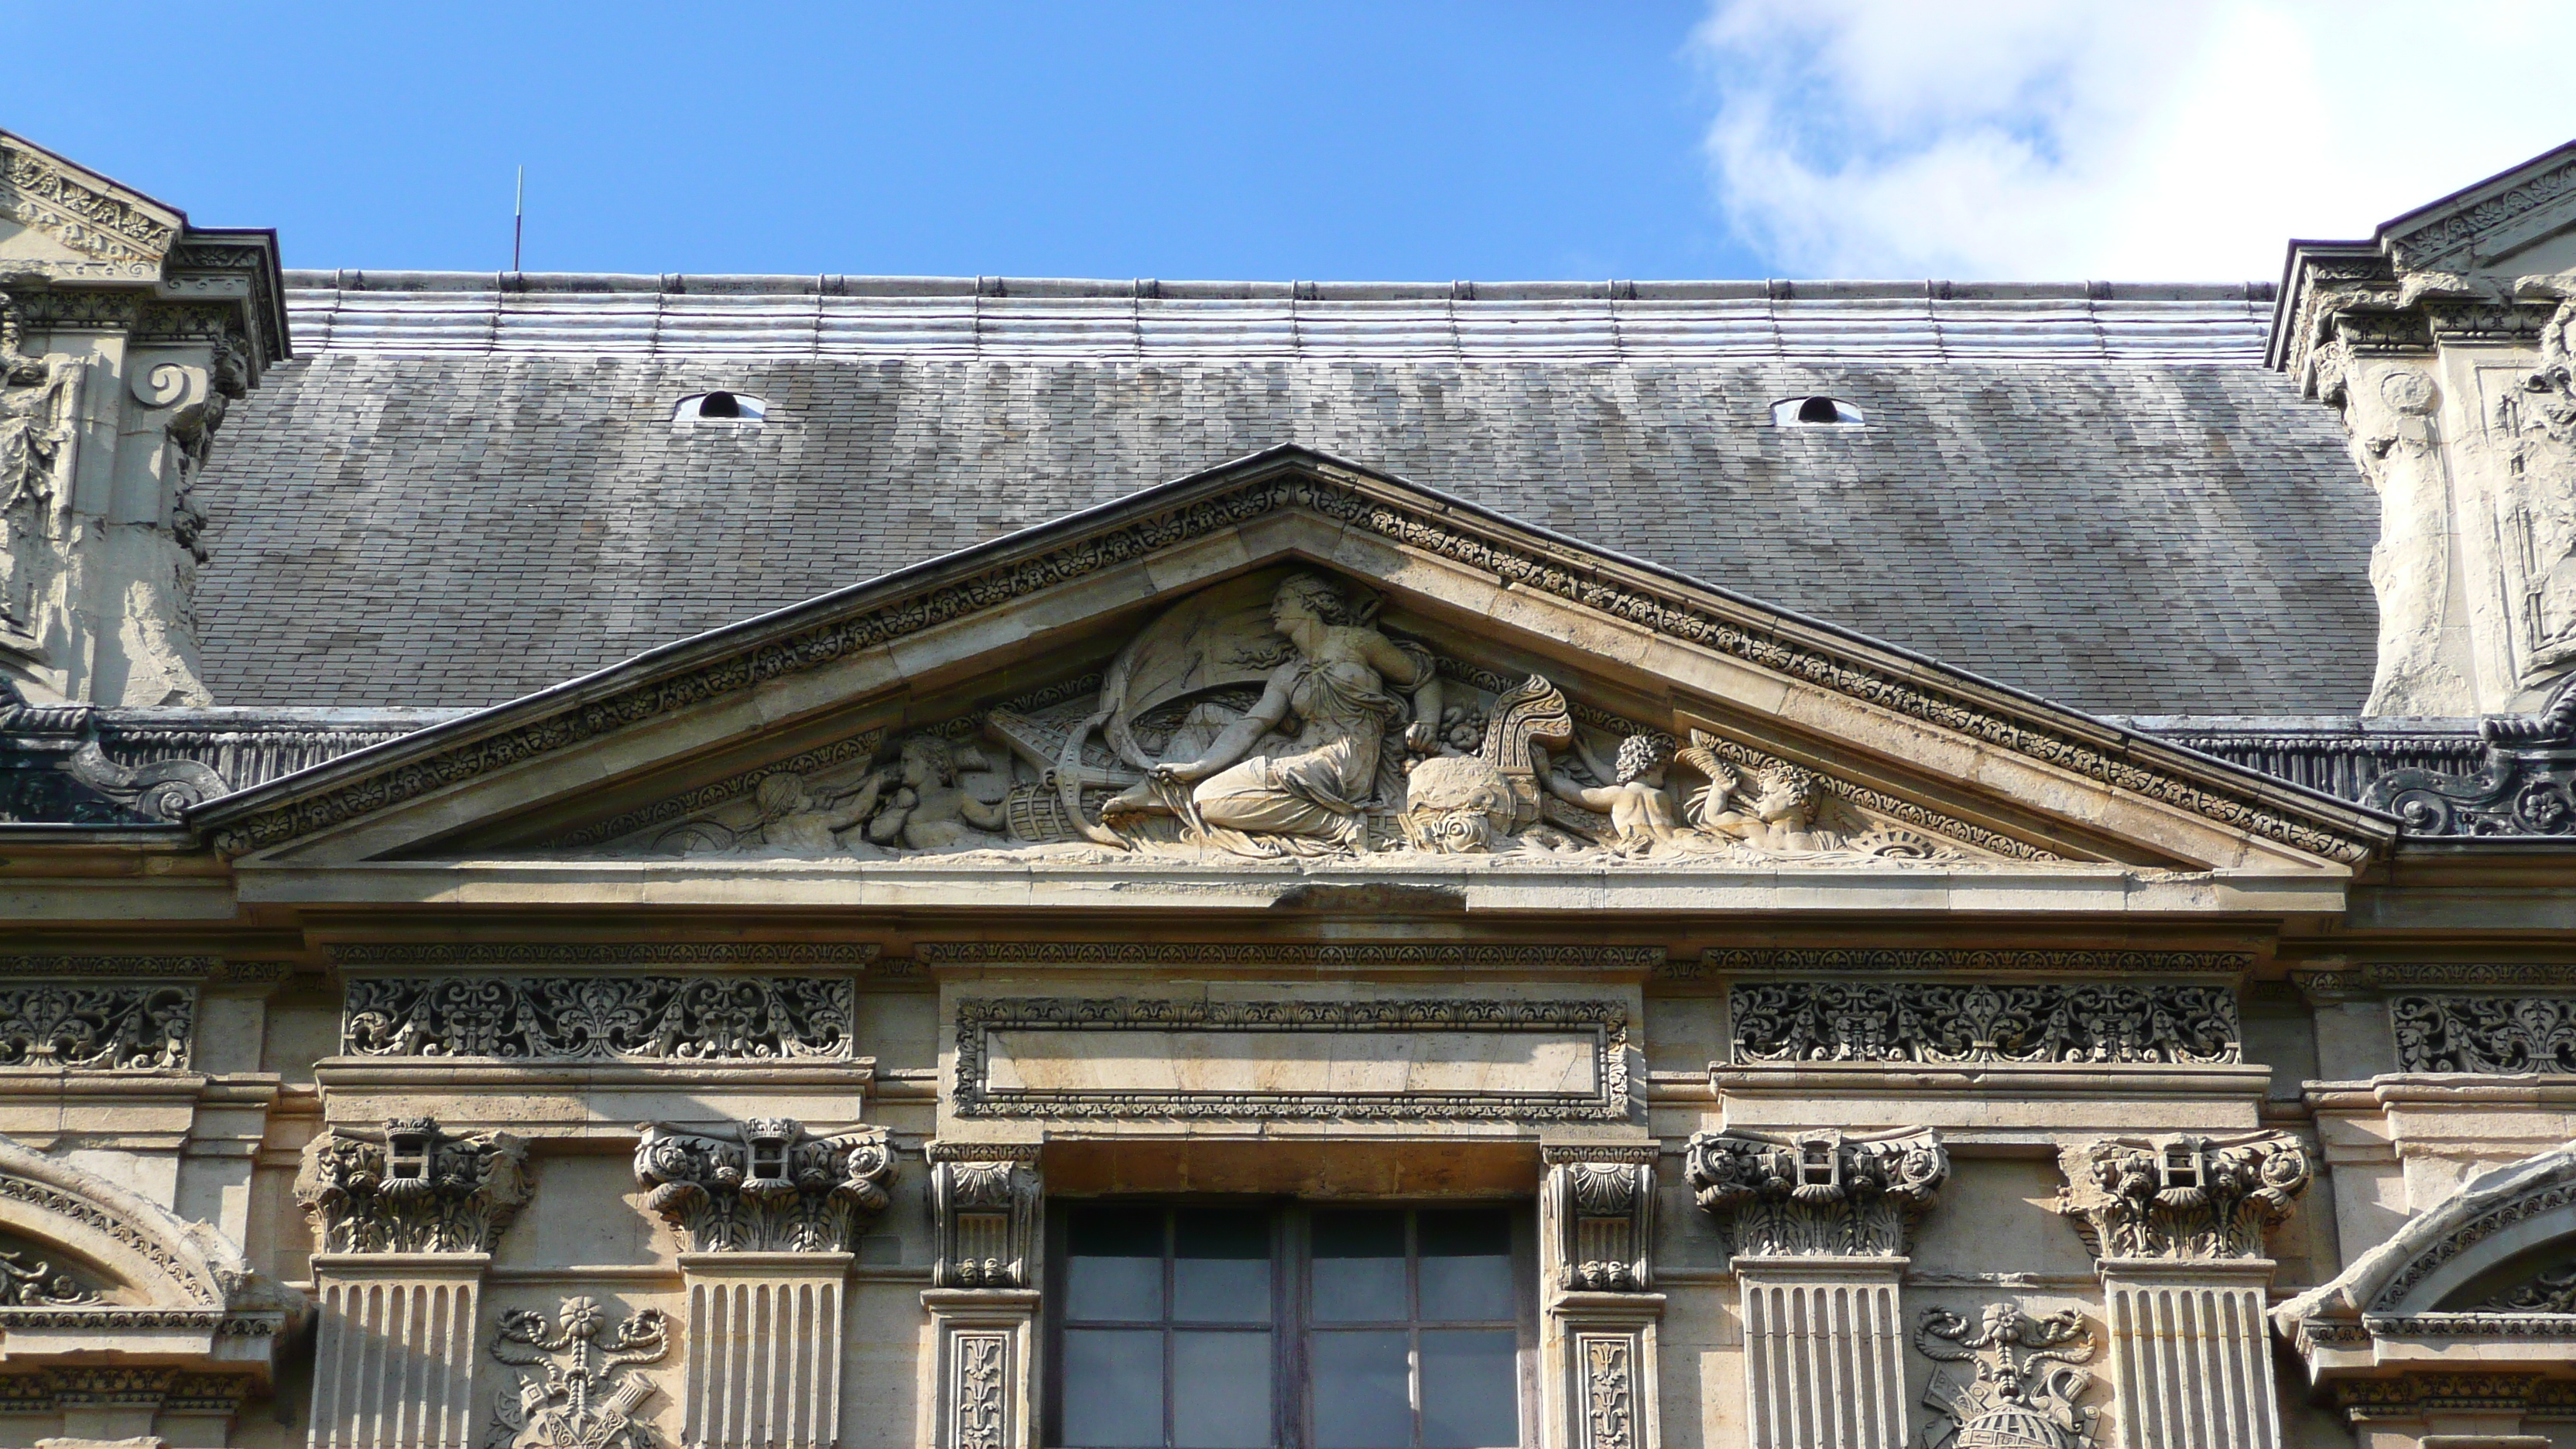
(2031,140)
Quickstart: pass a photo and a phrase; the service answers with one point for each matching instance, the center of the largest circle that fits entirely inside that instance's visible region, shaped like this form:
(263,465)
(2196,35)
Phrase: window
(1818,411)
(1222,1327)
(720,407)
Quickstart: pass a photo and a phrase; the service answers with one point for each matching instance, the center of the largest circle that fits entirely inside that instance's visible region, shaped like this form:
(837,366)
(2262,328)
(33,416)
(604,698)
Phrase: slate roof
(468,488)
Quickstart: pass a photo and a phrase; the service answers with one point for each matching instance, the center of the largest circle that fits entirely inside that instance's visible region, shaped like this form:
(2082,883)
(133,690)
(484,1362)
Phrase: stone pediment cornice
(837,627)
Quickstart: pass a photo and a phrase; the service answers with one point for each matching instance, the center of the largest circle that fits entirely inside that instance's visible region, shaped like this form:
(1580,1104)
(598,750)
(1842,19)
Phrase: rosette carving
(1818,1193)
(2183,1196)
(769,1187)
(411,1188)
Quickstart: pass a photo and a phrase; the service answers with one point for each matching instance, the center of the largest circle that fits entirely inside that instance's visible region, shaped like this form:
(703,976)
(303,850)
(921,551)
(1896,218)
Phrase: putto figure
(930,811)
(1340,695)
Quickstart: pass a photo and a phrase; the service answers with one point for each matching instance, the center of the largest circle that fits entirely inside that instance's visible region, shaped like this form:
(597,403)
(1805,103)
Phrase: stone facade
(1285,946)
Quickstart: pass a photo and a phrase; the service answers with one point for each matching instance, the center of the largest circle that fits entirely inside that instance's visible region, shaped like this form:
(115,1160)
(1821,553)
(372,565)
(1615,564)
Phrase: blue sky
(1404,139)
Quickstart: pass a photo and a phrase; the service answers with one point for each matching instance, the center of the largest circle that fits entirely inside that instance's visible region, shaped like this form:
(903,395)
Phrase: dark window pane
(1113,1388)
(1470,1388)
(1221,1390)
(1114,1264)
(1358,1382)
(1466,1265)
(1358,1272)
(1222,1268)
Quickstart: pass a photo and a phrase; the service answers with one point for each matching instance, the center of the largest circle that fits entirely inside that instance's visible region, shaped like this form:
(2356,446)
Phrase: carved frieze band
(2183,1196)
(1968,964)
(1601,1027)
(65,1024)
(766,1186)
(1429,955)
(1817,1193)
(1826,1021)
(985,1201)
(411,1187)
(2458,1033)
(633,1018)
(1665,611)
(603,955)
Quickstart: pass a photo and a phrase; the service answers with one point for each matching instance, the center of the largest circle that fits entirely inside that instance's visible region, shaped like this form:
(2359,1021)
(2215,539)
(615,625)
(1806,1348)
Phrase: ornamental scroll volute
(768,1185)
(1599,1203)
(1818,1193)
(2183,1196)
(411,1188)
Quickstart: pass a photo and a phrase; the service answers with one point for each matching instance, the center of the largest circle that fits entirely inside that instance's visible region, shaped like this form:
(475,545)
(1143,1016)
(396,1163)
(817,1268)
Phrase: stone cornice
(837,626)
(604,955)
(1975,964)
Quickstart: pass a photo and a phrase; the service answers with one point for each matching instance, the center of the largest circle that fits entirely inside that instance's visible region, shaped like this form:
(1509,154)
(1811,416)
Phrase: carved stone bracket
(1599,1204)
(768,1187)
(2181,1196)
(985,1199)
(411,1188)
(1818,1193)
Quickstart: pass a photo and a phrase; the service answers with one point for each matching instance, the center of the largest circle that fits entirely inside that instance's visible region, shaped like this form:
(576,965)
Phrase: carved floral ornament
(1336,661)
(1788,1022)
(583,1393)
(1818,1193)
(766,1186)
(2183,1196)
(411,1187)
(2007,1380)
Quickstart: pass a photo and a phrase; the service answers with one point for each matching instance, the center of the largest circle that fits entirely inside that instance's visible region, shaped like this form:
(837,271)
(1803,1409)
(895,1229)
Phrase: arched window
(1815,411)
(720,407)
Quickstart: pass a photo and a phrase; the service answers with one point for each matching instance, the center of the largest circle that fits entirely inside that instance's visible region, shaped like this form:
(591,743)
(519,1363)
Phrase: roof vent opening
(720,407)
(1815,412)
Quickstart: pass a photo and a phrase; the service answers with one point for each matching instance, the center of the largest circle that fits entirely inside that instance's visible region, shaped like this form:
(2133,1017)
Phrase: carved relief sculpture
(768,1186)
(654,1018)
(583,1394)
(39,408)
(30,1282)
(1600,1204)
(2183,1196)
(2464,1033)
(984,1201)
(1832,1021)
(2007,1381)
(411,1188)
(1819,1193)
(97,1027)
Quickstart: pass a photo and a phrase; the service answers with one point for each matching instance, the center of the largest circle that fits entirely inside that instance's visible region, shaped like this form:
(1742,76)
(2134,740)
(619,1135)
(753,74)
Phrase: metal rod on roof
(518,218)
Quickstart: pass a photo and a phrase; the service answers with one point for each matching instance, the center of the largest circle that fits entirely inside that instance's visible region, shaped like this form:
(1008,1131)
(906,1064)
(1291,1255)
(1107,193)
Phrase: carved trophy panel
(1279,716)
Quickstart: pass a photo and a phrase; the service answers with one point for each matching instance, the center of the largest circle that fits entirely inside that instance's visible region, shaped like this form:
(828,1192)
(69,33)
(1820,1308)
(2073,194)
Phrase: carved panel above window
(645,1018)
(2462,1033)
(2039,1023)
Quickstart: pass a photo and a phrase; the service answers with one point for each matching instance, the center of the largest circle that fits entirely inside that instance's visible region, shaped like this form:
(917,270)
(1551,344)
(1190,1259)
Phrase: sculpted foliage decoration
(2008,1380)
(1819,1193)
(50,1025)
(582,1395)
(2484,1033)
(1600,1204)
(659,1018)
(1826,1021)
(411,1188)
(985,1200)
(769,1187)
(2181,1197)
(36,1284)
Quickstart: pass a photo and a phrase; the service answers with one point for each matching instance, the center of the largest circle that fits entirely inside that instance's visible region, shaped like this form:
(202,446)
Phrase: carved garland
(1608,1021)
(1667,612)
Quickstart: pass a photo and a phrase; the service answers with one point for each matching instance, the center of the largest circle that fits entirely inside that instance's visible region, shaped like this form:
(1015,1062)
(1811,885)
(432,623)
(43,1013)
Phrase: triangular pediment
(1442,685)
(65,223)
(2521,221)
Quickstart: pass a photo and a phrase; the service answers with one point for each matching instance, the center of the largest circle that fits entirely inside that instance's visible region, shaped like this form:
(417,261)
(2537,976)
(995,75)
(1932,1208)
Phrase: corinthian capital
(767,1186)
(2181,1196)
(1818,1193)
(411,1188)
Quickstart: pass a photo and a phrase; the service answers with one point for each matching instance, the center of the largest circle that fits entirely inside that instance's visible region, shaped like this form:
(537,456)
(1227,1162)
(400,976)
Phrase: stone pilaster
(768,1213)
(406,1218)
(2176,1227)
(987,1203)
(1819,1224)
(1597,1208)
